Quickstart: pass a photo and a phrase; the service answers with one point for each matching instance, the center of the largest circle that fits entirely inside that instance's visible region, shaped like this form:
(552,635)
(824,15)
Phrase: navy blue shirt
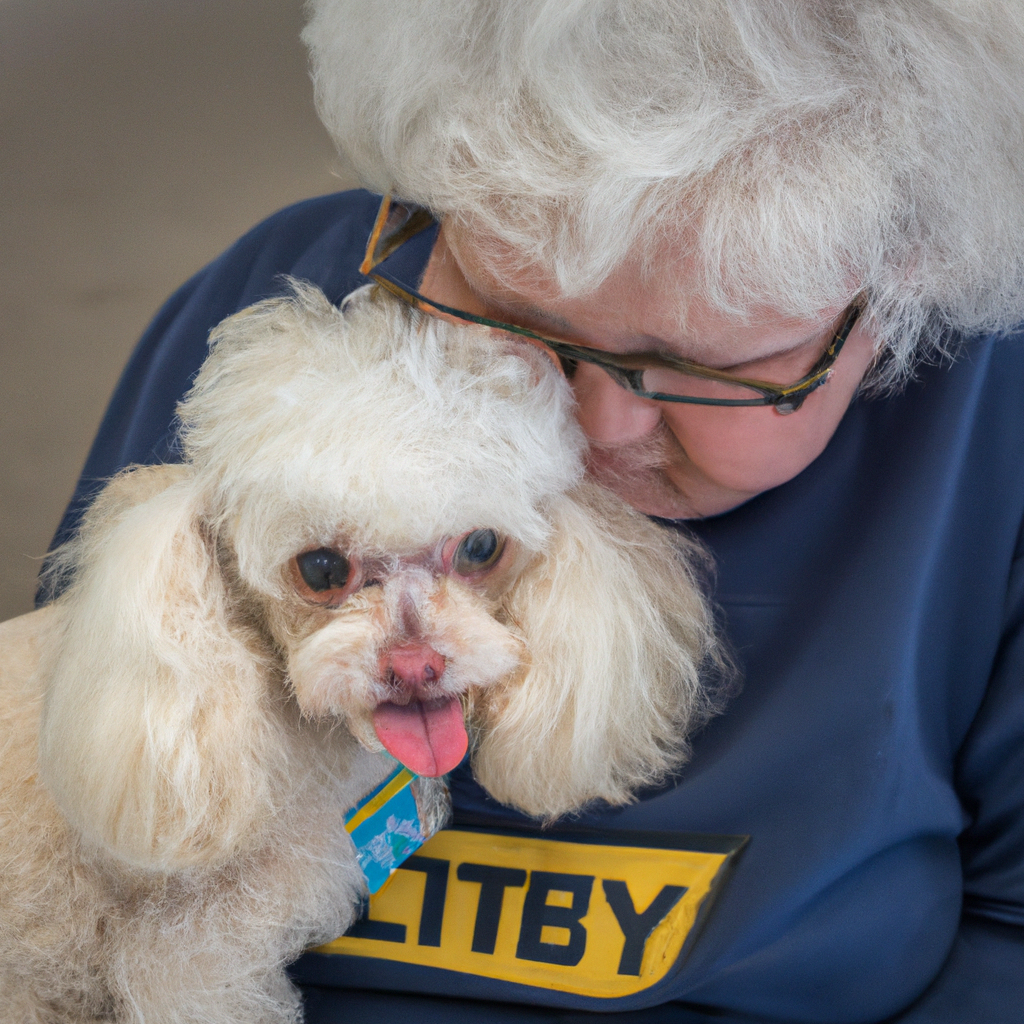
(875,753)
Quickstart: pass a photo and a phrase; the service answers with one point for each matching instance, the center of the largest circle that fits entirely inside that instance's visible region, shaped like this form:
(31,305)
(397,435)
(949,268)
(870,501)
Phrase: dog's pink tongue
(428,737)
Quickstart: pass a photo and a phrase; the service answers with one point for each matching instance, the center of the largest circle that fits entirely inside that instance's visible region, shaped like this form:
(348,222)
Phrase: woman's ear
(157,727)
(619,636)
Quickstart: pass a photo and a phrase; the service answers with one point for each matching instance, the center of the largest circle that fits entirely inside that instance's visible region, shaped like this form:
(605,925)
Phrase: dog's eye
(477,550)
(323,569)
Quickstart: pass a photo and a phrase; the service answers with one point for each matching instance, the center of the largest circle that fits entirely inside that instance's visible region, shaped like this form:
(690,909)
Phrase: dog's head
(377,482)
(381,519)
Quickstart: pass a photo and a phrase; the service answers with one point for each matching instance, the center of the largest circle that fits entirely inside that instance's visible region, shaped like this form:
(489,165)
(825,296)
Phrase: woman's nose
(608,412)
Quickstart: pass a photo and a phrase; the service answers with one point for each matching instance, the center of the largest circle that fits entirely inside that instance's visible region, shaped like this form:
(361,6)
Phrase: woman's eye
(477,550)
(323,569)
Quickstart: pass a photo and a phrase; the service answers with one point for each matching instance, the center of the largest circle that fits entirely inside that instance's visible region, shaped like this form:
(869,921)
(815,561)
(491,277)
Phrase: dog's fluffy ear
(619,637)
(157,724)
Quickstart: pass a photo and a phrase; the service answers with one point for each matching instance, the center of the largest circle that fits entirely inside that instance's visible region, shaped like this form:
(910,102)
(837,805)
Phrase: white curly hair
(801,151)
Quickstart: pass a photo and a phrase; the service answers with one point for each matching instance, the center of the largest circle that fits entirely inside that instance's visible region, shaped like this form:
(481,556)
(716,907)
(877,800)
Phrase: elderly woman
(779,247)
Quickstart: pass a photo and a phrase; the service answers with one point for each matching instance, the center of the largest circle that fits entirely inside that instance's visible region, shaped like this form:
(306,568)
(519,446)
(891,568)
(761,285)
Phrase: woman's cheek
(754,449)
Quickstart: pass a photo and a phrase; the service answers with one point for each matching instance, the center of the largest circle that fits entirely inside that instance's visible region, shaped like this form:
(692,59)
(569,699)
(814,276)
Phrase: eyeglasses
(662,378)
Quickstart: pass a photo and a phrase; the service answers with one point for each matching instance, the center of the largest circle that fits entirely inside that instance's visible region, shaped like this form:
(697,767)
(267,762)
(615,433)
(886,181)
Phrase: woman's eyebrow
(648,345)
(658,348)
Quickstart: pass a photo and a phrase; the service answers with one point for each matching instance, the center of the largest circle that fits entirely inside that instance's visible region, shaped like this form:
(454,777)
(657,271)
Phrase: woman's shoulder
(320,240)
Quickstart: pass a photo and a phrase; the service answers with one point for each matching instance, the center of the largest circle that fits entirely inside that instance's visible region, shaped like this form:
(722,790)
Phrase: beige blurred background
(138,138)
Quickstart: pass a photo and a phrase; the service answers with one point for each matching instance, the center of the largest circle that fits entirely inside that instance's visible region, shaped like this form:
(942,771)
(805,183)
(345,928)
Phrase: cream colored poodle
(379,539)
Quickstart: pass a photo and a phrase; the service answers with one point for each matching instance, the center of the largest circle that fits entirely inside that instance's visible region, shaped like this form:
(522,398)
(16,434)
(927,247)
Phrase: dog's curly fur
(185,728)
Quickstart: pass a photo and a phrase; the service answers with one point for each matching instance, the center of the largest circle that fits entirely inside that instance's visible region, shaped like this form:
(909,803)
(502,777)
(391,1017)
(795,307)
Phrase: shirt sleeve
(983,977)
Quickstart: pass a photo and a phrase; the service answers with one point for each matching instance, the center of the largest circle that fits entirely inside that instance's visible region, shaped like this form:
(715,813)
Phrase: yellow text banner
(591,918)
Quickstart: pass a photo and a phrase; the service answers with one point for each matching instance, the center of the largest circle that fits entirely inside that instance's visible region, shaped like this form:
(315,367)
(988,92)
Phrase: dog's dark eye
(323,569)
(477,550)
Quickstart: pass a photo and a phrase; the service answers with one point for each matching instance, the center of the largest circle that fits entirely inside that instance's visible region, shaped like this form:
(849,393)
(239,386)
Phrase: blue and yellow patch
(602,915)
